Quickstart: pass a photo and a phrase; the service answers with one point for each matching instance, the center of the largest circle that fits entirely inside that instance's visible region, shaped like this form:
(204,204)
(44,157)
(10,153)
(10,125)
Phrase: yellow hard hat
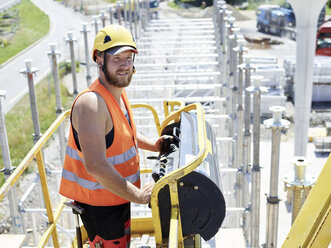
(113,36)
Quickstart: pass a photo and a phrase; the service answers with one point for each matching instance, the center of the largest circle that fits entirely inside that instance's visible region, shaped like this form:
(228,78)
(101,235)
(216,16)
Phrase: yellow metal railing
(140,225)
(175,233)
(171,105)
(36,153)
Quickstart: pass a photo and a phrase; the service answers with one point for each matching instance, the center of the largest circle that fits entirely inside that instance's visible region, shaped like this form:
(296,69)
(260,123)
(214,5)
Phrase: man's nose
(125,63)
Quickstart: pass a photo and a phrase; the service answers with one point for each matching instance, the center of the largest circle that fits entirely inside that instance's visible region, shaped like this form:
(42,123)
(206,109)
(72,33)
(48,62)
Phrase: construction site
(250,164)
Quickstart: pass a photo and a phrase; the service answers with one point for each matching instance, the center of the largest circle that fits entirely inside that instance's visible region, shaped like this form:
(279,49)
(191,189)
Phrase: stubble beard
(118,81)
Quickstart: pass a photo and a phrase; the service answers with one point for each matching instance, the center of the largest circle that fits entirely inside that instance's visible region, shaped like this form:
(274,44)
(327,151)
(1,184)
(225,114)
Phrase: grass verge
(252,5)
(328,11)
(18,120)
(32,25)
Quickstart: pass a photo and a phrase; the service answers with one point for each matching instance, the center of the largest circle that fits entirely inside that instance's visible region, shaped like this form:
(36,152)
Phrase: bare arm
(149,144)
(91,120)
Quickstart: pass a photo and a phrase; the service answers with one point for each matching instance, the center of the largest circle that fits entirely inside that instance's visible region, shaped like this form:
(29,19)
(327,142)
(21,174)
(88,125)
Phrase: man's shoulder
(90,102)
(88,98)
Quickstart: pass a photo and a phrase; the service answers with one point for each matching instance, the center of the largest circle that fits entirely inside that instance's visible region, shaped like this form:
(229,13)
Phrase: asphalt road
(62,19)
(5,4)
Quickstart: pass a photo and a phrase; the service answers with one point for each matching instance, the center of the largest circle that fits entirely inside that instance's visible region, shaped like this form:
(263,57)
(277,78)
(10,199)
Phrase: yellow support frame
(36,152)
(312,227)
(171,104)
(175,233)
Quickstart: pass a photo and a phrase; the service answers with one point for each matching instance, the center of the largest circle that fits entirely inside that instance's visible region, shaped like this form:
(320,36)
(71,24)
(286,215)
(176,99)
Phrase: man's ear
(99,60)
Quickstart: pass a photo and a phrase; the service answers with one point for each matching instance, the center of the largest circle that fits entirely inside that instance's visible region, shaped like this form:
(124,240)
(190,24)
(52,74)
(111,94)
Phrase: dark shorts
(108,225)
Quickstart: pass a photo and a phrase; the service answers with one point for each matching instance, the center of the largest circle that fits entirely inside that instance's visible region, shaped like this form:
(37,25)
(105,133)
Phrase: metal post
(17,220)
(53,53)
(233,93)
(247,133)
(223,56)
(256,90)
(144,15)
(71,41)
(110,15)
(119,15)
(223,17)
(148,11)
(29,71)
(95,23)
(299,185)
(229,74)
(103,18)
(242,190)
(139,17)
(277,125)
(247,148)
(130,16)
(125,14)
(220,26)
(135,19)
(233,73)
(141,14)
(88,76)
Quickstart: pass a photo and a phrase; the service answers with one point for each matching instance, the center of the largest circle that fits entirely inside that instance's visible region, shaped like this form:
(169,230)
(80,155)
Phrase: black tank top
(109,137)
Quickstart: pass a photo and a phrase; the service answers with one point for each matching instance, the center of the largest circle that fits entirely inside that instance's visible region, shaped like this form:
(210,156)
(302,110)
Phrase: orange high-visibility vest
(77,183)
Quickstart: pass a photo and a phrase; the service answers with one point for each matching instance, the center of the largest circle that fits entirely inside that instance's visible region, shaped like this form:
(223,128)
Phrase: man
(101,167)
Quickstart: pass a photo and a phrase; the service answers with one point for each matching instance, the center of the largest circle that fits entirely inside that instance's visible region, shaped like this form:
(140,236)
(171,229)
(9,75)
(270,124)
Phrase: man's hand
(163,143)
(146,192)
(159,145)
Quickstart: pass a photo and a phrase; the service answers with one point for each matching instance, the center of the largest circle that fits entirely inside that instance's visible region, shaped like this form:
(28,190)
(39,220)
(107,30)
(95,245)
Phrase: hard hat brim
(119,49)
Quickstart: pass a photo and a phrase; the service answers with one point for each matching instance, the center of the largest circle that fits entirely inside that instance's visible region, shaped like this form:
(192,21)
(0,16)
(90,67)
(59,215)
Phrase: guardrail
(36,153)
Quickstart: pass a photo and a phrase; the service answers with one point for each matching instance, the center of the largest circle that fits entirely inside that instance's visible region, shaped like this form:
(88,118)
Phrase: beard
(119,81)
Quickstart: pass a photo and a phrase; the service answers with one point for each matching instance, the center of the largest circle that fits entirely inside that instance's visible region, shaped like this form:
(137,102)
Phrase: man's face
(120,69)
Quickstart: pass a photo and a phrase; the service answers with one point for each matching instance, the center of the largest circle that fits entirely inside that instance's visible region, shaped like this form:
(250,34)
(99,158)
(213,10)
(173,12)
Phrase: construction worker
(101,167)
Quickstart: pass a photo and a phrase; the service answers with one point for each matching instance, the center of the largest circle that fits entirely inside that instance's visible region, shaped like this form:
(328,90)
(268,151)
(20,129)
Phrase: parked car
(275,19)
(323,39)
(280,19)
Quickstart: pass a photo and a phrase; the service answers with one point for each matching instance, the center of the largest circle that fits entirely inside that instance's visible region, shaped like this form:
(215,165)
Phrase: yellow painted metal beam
(171,104)
(172,177)
(30,156)
(323,239)
(175,230)
(312,227)
(146,171)
(44,186)
(142,225)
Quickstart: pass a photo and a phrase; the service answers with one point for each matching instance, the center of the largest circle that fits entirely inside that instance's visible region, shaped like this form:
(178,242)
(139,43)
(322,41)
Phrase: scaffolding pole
(276,124)
(256,90)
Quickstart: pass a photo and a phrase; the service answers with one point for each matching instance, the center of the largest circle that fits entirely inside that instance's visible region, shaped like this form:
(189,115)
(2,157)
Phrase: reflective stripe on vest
(114,160)
(94,185)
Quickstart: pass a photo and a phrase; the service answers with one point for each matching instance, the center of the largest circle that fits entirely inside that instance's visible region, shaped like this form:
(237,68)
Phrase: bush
(3,43)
